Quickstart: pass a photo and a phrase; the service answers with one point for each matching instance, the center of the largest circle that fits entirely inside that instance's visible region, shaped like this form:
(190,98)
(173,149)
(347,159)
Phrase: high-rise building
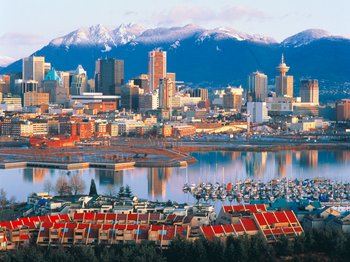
(309,91)
(257,112)
(166,88)
(198,92)
(343,110)
(142,82)
(5,84)
(257,87)
(109,76)
(172,79)
(29,86)
(33,68)
(156,68)
(35,99)
(130,96)
(65,79)
(149,102)
(54,85)
(284,83)
(232,99)
(79,81)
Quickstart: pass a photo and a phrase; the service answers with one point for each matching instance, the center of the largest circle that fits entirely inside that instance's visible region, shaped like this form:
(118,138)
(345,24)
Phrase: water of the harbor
(166,183)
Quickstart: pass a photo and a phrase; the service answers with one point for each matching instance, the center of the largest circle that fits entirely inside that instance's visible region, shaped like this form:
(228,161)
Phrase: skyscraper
(33,68)
(79,81)
(130,96)
(166,87)
(309,91)
(257,87)
(284,83)
(232,99)
(156,67)
(109,76)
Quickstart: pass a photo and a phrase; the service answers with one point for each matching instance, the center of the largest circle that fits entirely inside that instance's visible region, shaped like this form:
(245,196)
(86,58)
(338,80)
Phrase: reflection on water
(166,183)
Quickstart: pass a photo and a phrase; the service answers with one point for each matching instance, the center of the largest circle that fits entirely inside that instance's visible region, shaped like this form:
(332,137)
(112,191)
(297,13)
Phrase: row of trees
(73,186)
(324,245)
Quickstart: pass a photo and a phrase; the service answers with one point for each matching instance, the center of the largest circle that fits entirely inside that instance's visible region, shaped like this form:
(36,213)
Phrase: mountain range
(201,56)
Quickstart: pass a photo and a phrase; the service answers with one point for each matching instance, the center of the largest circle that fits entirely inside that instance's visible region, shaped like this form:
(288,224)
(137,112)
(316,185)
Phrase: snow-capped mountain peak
(125,33)
(93,35)
(168,35)
(132,33)
(306,37)
(99,35)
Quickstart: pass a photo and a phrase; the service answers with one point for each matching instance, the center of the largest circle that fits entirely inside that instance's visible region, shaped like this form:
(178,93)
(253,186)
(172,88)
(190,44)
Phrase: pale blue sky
(27,25)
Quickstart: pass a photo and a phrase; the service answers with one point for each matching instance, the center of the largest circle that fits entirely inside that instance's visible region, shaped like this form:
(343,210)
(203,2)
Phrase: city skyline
(276,19)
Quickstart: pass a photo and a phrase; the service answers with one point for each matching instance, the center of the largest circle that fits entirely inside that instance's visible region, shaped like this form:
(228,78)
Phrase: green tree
(93,190)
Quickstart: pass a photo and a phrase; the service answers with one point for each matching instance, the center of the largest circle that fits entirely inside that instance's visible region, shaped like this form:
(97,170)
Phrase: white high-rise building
(257,112)
(257,87)
(33,68)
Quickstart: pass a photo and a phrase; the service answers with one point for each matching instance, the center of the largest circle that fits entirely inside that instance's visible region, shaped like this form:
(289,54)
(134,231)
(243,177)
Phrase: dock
(66,166)
(86,165)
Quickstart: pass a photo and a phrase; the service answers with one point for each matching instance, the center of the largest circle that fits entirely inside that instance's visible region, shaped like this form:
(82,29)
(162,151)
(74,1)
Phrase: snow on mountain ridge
(99,35)
(307,36)
(133,33)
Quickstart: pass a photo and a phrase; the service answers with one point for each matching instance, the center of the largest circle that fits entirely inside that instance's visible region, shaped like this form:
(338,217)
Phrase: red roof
(143,217)
(238,228)
(110,216)
(89,216)
(208,232)
(100,216)
(120,227)
(260,219)
(228,229)
(249,224)
(242,208)
(291,216)
(78,216)
(218,229)
(270,218)
(107,226)
(121,217)
(132,217)
(64,217)
(154,216)
(281,216)
(83,225)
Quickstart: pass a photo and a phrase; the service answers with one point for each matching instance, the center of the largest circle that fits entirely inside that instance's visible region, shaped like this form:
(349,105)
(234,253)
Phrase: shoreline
(262,147)
(171,154)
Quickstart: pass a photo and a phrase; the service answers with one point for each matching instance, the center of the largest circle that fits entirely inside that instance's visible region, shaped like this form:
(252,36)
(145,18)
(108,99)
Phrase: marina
(317,189)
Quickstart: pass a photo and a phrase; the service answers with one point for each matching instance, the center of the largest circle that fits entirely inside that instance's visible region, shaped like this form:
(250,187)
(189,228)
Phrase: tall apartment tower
(156,68)
(257,87)
(109,76)
(309,91)
(284,83)
(33,68)
(166,88)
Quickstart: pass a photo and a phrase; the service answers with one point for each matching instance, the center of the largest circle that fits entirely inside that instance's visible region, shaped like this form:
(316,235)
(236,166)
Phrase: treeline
(327,245)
